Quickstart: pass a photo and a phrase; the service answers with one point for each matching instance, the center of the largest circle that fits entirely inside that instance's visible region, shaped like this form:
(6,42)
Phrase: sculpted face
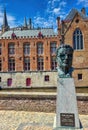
(64,57)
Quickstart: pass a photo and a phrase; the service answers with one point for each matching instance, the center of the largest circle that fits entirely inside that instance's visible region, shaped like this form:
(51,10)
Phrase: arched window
(77,39)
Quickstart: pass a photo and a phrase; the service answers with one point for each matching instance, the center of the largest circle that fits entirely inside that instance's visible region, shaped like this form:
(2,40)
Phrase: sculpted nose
(66,56)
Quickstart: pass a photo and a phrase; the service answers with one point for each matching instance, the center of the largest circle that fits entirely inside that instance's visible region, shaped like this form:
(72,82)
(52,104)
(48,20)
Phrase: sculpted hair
(64,46)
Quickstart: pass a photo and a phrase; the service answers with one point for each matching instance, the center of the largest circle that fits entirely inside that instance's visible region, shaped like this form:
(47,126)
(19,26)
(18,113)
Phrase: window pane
(11,64)
(40,48)
(11,48)
(78,44)
(74,41)
(53,63)
(46,77)
(79,76)
(26,48)
(40,63)
(26,64)
(53,47)
(81,42)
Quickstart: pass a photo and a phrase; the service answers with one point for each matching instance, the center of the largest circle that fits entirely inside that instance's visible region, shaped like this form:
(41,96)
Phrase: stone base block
(34,126)
(66,108)
(65,128)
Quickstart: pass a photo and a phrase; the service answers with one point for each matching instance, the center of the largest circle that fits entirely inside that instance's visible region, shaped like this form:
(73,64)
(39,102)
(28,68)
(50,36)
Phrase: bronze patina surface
(64,56)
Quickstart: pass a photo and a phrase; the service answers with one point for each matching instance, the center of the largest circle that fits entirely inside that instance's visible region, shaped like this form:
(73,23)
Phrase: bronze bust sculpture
(64,56)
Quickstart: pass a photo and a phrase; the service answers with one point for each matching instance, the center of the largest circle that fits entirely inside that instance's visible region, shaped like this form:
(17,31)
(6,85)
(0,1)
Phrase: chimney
(58,25)
(30,23)
(83,10)
(62,32)
(58,22)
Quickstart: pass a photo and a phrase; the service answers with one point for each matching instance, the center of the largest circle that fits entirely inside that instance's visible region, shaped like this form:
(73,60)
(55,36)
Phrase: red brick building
(27,54)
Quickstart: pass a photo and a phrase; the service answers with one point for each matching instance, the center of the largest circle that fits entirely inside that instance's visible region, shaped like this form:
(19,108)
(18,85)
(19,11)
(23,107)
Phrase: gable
(72,14)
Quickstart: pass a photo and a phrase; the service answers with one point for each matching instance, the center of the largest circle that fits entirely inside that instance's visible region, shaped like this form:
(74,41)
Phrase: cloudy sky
(42,12)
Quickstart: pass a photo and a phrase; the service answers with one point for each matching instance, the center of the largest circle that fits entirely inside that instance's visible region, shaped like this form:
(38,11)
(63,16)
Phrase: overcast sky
(42,12)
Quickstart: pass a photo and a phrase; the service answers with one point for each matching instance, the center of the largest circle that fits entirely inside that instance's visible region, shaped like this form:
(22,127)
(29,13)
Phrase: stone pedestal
(66,108)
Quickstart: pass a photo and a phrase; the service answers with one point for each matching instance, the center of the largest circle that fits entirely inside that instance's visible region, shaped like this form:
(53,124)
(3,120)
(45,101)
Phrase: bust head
(64,56)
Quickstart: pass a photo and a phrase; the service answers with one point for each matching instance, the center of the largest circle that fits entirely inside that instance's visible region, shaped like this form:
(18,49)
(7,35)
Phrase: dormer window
(13,35)
(40,35)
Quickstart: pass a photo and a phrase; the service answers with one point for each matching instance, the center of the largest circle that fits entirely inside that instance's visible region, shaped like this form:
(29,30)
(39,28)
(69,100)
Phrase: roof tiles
(29,33)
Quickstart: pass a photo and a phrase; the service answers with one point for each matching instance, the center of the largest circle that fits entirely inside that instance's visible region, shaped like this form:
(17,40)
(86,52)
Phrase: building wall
(37,79)
(84,81)
(80,58)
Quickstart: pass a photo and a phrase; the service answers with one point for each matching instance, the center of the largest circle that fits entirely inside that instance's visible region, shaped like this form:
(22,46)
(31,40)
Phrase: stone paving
(23,120)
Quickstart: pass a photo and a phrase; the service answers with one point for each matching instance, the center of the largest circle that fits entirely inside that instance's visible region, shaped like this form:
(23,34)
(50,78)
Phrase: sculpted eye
(70,55)
(62,55)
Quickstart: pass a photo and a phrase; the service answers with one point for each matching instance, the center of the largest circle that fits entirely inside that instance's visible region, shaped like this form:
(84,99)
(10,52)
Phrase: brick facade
(80,59)
(19,55)
(19,76)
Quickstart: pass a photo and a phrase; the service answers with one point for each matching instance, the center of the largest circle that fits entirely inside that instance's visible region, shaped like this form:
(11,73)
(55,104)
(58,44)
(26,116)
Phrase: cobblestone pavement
(23,120)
